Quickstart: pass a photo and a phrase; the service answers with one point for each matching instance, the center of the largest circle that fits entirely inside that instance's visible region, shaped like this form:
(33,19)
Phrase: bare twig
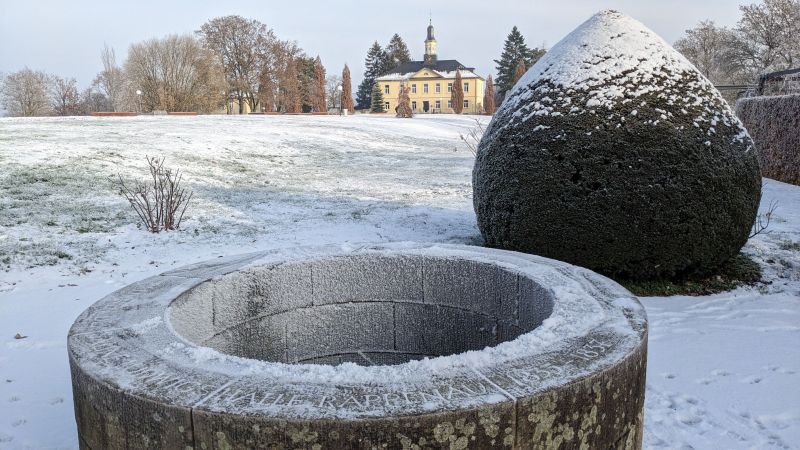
(763,220)
(157,203)
(473,137)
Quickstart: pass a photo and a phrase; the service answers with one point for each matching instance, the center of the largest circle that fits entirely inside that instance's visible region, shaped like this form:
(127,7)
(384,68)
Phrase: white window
(466,103)
(414,106)
(450,104)
(466,87)
(449,87)
(386,106)
(425,88)
(413,88)
(438,104)
(438,88)
(386,89)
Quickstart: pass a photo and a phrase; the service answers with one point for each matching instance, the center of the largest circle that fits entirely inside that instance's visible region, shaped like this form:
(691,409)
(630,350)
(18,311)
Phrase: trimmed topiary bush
(774,124)
(613,152)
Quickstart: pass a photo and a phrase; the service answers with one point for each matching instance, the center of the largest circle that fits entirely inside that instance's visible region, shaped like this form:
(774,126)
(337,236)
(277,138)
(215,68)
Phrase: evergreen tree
(347,90)
(377,99)
(519,72)
(319,102)
(396,54)
(514,51)
(364,94)
(488,96)
(457,96)
(292,97)
(404,104)
(373,64)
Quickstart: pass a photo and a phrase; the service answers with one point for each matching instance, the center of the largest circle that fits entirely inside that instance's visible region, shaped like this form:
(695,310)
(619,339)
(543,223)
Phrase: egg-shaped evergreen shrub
(615,153)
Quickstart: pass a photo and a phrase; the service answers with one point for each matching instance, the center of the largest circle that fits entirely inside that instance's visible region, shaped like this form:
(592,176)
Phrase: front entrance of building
(426,106)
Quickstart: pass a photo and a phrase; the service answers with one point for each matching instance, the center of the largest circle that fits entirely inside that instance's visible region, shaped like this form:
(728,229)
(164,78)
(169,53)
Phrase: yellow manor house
(431,83)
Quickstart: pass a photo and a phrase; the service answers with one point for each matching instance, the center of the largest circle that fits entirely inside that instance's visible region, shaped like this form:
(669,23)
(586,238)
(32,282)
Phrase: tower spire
(430,44)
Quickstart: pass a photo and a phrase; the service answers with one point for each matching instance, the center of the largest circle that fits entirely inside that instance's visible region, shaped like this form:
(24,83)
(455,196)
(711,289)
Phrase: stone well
(387,346)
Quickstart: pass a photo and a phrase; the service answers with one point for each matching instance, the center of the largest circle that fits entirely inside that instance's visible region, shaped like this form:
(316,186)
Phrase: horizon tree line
(240,64)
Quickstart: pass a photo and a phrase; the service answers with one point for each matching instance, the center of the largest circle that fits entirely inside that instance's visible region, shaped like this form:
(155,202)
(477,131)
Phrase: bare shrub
(473,137)
(161,202)
(763,220)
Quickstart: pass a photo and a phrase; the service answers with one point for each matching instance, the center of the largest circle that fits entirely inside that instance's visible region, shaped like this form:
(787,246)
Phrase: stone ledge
(142,380)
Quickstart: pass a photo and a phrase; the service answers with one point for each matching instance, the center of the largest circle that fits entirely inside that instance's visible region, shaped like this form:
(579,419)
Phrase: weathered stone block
(367,278)
(144,377)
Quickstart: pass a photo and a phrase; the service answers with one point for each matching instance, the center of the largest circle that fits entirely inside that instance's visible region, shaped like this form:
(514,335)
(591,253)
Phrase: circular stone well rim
(125,341)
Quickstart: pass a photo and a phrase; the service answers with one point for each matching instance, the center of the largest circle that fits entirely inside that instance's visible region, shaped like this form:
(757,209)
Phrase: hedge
(774,125)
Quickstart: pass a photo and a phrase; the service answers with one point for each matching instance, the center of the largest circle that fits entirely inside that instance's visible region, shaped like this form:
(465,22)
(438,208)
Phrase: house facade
(430,83)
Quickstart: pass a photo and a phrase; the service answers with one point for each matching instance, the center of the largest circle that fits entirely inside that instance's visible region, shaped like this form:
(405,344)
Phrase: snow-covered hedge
(614,153)
(774,124)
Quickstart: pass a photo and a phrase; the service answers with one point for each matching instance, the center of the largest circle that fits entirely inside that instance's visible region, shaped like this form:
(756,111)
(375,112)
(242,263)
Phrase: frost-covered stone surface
(613,152)
(439,334)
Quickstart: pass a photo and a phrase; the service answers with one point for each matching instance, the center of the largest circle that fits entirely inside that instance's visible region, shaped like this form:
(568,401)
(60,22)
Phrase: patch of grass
(740,270)
(791,246)
(62,255)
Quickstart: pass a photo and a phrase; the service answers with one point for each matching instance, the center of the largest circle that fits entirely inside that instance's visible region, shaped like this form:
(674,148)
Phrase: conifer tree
(292,97)
(347,90)
(396,54)
(377,99)
(519,72)
(319,101)
(488,96)
(514,51)
(404,104)
(457,96)
(373,65)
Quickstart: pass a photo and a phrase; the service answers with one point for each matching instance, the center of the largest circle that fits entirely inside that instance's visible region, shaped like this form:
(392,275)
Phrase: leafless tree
(92,100)
(245,48)
(332,83)
(65,97)
(111,80)
(765,39)
(175,73)
(769,33)
(705,46)
(161,202)
(24,93)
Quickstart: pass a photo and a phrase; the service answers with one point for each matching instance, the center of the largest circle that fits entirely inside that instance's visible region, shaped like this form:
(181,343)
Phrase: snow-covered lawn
(724,370)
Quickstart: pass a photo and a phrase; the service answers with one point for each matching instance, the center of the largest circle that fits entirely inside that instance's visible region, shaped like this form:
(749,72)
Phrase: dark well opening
(366,309)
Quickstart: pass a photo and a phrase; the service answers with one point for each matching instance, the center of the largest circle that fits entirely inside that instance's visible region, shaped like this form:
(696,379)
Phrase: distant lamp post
(139,96)
(339,91)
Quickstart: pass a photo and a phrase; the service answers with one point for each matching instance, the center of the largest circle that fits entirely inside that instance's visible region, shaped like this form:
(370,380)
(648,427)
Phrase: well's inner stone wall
(365,310)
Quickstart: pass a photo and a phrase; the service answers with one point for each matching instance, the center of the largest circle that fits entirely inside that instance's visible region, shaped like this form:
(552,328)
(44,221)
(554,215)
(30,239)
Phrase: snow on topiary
(615,153)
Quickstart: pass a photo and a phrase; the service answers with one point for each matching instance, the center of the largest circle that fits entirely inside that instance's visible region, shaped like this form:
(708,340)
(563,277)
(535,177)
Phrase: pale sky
(66,37)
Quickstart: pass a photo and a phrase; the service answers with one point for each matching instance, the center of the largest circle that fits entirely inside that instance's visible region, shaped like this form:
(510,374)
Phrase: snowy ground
(723,371)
